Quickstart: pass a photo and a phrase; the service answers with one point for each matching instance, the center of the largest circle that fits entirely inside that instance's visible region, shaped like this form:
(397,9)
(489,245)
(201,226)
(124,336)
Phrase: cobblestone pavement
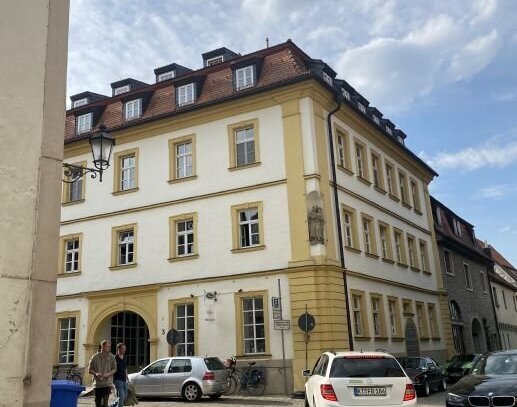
(435,400)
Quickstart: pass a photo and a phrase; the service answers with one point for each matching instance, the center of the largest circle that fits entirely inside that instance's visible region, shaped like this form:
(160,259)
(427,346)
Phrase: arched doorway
(477,337)
(412,344)
(130,328)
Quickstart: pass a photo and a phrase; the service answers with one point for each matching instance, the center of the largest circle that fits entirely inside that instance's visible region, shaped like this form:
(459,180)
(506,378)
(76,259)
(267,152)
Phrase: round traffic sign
(306,322)
(172,337)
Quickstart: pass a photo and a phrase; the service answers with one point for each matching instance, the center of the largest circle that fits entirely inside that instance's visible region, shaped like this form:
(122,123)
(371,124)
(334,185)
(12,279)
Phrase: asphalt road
(435,400)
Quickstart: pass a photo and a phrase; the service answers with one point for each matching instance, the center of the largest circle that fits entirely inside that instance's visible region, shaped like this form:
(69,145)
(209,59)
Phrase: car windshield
(496,365)
(411,363)
(214,364)
(365,367)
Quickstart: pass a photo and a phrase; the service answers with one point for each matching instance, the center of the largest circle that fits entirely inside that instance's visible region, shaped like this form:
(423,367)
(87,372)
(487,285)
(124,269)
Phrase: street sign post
(276,305)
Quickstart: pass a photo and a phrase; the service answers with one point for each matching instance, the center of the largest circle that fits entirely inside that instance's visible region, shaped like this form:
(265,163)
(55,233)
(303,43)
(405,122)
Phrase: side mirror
(306,373)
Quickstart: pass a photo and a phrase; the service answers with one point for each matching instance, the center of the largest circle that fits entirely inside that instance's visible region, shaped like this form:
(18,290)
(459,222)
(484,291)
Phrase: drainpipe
(337,98)
(492,300)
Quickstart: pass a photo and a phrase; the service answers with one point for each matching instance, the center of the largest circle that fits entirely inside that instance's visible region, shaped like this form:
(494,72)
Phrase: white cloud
(498,192)
(505,229)
(488,155)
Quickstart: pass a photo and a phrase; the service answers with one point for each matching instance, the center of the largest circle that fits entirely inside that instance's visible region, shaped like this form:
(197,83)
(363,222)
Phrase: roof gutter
(337,98)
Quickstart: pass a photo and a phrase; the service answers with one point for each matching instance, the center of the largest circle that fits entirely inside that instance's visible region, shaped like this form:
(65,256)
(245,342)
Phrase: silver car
(189,377)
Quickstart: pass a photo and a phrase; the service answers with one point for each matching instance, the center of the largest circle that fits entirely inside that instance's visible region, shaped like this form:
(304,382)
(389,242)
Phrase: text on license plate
(370,391)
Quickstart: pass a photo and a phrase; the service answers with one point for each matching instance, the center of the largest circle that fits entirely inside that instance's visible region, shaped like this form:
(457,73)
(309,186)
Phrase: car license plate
(370,391)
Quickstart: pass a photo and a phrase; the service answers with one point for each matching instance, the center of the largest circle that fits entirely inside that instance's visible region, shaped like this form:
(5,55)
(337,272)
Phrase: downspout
(338,216)
(492,300)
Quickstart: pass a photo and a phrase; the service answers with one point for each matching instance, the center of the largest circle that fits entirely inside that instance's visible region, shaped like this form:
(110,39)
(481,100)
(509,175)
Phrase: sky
(445,72)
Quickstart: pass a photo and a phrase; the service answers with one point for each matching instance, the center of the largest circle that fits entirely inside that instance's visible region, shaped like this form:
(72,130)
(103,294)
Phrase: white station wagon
(358,379)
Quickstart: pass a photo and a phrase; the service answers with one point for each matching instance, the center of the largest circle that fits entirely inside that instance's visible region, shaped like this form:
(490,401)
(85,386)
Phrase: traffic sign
(306,322)
(282,325)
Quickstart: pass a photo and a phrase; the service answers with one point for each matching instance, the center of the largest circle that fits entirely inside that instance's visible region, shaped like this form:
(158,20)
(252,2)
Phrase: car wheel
(191,392)
(427,388)
(443,384)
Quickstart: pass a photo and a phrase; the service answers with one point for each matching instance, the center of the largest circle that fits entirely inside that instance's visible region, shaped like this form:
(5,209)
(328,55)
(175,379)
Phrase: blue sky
(444,72)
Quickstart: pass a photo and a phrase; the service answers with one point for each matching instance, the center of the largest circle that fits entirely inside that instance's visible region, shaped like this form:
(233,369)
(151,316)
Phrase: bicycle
(252,380)
(71,374)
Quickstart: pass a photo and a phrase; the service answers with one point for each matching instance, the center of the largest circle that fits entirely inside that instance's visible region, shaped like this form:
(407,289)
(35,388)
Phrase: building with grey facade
(466,269)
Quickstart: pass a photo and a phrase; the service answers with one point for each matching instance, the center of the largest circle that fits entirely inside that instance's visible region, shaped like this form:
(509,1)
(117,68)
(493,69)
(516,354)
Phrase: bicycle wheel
(257,384)
(76,378)
(233,385)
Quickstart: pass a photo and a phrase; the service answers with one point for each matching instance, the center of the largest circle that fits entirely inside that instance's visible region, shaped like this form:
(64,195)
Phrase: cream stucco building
(221,190)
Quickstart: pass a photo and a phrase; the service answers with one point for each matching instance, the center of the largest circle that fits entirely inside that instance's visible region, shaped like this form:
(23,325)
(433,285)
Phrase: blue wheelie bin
(65,393)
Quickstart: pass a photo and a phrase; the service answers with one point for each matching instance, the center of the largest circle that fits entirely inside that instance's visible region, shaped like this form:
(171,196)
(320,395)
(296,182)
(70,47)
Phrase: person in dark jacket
(120,377)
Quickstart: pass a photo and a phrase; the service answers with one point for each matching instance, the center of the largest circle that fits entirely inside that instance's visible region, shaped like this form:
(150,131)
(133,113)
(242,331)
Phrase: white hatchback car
(358,379)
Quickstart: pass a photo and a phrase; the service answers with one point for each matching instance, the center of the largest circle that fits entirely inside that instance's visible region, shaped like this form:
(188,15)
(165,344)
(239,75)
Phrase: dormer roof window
(83,123)
(327,78)
(215,60)
(457,227)
(245,77)
(439,215)
(186,94)
(80,102)
(133,109)
(400,140)
(120,90)
(346,94)
(376,119)
(388,130)
(165,76)
(362,108)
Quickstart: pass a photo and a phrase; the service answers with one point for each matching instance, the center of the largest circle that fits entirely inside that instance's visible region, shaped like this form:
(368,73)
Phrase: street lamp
(101,145)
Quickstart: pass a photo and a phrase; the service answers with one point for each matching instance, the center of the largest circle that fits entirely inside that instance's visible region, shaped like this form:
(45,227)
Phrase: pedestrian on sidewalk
(102,366)
(120,377)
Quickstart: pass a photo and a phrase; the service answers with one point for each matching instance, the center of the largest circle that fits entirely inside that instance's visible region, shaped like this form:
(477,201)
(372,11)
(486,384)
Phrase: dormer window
(244,77)
(214,61)
(186,94)
(120,90)
(83,123)
(439,215)
(400,140)
(457,227)
(165,76)
(327,78)
(346,94)
(388,130)
(80,102)
(133,109)
(376,120)
(362,108)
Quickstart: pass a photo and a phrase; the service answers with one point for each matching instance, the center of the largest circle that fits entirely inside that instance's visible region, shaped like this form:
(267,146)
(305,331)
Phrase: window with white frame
(80,102)
(447,262)
(457,227)
(423,256)
(390,179)
(439,215)
(420,319)
(244,77)
(75,189)
(482,279)
(133,109)
(71,256)
(184,159)
(392,309)
(376,315)
(375,171)
(215,60)
(432,320)
(376,120)
(249,230)
(120,90)
(383,233)
(415,195)
(398,246)
(327,78)
(367,235)
(496,299)
(402,186)
(346,94)
(254,325)
(186,94)
(125,247)
(245,146)
(341,150)
(389,131)
(361,107)
(468,277)
(347,222)
(504,299)
(411,251)
(359,153)
(127,172)
(185,237)
(84,123)
(66,353)
(165,76)
(186,330)
(356,309)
